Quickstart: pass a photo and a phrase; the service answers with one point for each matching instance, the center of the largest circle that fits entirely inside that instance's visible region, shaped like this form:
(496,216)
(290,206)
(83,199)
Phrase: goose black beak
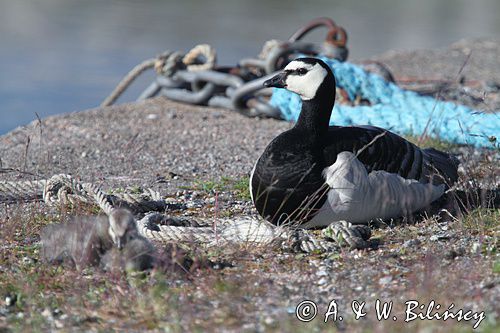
(277,81)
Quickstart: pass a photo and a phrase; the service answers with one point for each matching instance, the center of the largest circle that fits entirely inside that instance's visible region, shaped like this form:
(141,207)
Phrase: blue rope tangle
(398,110)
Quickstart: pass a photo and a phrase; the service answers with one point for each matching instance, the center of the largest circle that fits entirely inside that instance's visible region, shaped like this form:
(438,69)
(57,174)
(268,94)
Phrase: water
(65,55)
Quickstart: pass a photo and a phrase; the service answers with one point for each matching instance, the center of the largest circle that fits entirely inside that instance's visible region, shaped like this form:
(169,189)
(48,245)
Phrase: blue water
(65,55)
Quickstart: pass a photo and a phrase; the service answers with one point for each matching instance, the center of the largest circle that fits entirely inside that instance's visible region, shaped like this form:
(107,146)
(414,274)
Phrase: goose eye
(301,71)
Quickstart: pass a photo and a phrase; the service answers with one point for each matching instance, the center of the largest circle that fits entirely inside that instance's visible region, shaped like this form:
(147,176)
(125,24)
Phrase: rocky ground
(202,157)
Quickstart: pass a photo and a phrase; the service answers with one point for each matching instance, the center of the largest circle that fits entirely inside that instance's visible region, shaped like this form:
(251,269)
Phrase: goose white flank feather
(358,196)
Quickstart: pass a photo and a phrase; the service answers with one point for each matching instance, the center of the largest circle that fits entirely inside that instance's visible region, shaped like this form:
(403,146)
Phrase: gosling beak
(277,81)
(119,244)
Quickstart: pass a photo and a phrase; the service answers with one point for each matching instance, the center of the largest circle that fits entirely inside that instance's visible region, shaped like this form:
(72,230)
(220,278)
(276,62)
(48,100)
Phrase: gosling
(84,241)
(136,255)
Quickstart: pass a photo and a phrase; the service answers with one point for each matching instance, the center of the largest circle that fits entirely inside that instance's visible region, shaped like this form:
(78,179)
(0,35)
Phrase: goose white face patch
(305,85)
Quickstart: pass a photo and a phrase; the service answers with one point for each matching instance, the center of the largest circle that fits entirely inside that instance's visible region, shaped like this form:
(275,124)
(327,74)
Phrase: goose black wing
(379,149)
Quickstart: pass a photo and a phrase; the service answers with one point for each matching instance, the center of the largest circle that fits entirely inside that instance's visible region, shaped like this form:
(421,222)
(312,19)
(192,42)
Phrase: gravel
(122,145)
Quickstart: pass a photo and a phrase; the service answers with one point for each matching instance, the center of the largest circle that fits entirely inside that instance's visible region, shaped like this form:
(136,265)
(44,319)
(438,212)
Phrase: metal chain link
(195,78)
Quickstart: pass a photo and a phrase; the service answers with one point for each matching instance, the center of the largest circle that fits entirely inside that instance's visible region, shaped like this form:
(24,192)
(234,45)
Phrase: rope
(25,191)
(128,79)
(64,189)
(170,64)
(397,109)
(268,48)
(99,197)
(192,58)
(167,64)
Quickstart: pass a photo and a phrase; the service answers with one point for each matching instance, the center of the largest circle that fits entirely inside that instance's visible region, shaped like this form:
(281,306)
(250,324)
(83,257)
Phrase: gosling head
(303,76)
(122,227)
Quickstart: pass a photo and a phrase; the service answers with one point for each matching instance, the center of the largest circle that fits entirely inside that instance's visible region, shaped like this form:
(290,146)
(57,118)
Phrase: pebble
(322,272)
(172,114)
(10,300)
(454,253)
(170,200)
(322,281)
(269,320)
(412,243)
(58,324)
(46,313)
(385,280)
(476,247)
(27,261)
(194,204)
(218,115)
(440,236)
(488,285)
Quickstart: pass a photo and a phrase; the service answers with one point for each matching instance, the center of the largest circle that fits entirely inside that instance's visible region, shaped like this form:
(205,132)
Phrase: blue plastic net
(398,110)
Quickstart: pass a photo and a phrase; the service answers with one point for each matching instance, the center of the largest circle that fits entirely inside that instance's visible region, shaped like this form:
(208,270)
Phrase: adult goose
(315,174)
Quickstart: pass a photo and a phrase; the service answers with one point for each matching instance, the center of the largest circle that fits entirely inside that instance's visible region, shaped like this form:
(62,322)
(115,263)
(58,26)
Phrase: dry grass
(254,289)
(260,287)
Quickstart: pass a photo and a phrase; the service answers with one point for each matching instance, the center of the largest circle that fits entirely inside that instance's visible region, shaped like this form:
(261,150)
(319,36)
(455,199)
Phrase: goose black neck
(315,114)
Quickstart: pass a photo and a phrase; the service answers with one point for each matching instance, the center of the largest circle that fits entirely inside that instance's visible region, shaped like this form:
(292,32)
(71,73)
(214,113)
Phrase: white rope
(63,189)
(194,63)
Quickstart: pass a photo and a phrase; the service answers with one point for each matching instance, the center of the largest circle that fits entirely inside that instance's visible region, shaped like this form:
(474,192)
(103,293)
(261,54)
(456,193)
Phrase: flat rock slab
(476,59)
(138,142)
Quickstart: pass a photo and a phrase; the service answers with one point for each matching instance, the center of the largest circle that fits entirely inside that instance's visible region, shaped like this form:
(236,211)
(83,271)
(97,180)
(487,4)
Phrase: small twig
(40,143)
(378,136)
(215,220)
(26,148)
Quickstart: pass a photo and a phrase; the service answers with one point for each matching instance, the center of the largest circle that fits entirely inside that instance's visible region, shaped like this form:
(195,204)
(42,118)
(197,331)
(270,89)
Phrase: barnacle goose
(315,174)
